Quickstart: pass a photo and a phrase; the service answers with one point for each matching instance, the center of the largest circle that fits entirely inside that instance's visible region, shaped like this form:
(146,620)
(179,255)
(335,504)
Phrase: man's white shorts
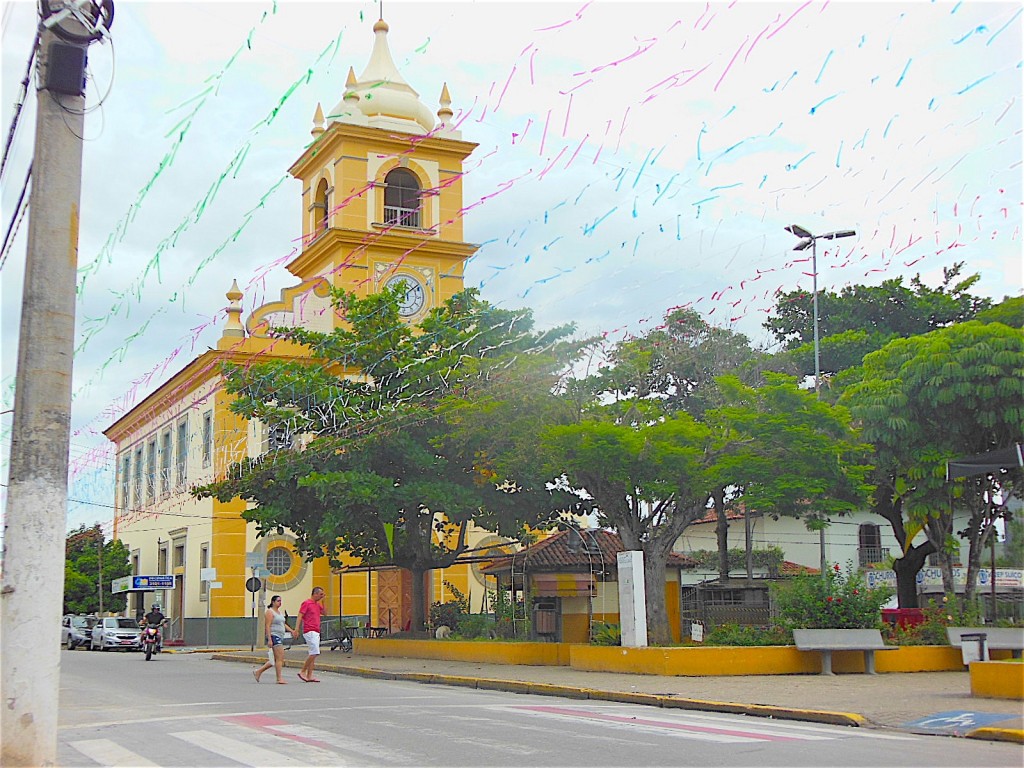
(312,642)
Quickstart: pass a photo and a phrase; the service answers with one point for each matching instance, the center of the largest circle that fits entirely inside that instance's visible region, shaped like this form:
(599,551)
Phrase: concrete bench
(825,641)
(997,638)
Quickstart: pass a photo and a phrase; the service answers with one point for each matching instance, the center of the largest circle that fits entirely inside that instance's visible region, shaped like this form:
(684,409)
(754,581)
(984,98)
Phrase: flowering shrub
(932,631)
(834,600)
(738,634)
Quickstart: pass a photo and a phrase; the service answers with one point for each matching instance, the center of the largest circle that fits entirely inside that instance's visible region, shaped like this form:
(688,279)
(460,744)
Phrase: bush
(932,631)
(474,626)
(450,613)
(738,634)
(834,600)
(606,634)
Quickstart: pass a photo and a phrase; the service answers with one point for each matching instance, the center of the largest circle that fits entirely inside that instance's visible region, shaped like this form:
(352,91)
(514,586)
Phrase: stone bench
(997,638)
(825,641)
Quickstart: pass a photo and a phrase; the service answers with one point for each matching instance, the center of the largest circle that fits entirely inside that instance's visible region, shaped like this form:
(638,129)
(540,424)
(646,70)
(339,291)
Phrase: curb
(1013,735)
(547,689)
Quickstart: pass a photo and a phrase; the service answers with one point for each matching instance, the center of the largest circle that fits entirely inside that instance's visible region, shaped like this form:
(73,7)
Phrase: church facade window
(322,207)
(402,198)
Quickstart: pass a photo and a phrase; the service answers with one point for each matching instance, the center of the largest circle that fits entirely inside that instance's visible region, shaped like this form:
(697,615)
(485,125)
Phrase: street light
(807,240)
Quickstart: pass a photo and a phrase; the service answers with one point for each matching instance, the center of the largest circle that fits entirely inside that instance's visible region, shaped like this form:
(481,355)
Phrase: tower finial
(233,326)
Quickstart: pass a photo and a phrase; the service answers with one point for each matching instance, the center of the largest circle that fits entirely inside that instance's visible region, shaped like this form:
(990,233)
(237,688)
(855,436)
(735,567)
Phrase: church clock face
(412,296)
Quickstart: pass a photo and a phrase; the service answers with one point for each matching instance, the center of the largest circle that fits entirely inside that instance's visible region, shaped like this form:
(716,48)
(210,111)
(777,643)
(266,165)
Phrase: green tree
(1010,311)
(928,399)
(650,473)
(678,363)
(374,468)
(83,549)
(864,318)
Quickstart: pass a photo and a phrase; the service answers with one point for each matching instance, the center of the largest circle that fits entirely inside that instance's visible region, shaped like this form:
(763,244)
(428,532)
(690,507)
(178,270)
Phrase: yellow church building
(382,202)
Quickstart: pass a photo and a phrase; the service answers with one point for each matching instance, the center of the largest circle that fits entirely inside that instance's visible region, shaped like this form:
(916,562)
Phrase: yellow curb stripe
(998,734)
(764,710)
(670,702)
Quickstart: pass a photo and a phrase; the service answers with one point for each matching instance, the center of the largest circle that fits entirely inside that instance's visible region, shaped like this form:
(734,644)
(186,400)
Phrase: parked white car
(115,632)
(76,631)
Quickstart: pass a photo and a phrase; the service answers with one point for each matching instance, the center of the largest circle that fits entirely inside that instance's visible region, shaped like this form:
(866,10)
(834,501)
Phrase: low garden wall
(531,654)
(687,661)
(997,679)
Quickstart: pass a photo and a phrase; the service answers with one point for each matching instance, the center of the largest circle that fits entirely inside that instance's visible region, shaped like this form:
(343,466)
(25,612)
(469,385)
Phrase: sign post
(208,575)
(253,585)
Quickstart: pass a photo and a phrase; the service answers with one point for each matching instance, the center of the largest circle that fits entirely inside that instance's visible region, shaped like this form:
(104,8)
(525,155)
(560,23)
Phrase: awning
(563,584)
(983,463)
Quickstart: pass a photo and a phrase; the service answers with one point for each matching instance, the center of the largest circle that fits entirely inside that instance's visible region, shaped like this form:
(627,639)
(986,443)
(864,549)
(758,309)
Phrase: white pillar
(632,599)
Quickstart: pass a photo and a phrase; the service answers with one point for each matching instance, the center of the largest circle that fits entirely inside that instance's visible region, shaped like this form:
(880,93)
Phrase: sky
(633,158)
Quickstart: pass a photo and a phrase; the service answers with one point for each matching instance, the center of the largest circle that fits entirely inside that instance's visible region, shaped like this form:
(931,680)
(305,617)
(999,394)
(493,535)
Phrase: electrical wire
(19,212)
(19,104)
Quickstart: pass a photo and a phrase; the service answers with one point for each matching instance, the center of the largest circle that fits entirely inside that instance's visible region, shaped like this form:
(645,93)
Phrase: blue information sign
(153,582)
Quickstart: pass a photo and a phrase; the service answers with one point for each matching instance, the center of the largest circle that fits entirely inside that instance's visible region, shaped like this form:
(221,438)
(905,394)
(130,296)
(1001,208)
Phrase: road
(185,710)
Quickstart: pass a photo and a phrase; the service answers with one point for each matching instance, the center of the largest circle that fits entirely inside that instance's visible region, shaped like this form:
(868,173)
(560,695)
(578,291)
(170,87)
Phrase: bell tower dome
(382,195)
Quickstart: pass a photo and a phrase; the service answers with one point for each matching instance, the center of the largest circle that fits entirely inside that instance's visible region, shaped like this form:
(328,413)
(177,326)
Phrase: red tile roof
(712,517)
(564,551)
(789,568)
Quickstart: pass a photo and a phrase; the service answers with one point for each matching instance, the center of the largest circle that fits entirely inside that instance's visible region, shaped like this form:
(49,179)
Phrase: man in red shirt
(309,619)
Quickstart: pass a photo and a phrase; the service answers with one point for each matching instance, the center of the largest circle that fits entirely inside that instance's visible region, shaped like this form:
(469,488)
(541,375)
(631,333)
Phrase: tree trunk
(658,631)
(722,529)
(419,599)
(907,568)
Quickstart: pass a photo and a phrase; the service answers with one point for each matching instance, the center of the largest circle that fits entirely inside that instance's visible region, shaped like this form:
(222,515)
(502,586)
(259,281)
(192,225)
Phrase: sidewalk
(883,701)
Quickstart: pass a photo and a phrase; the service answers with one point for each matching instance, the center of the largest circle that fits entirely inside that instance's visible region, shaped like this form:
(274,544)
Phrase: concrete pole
(36,516)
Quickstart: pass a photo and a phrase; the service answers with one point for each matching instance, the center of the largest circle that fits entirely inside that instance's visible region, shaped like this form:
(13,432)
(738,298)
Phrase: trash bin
(973,647)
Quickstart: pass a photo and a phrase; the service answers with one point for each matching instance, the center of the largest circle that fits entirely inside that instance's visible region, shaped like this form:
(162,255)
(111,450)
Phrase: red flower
(839,599)
(856,591)
(836,567)
(829,598)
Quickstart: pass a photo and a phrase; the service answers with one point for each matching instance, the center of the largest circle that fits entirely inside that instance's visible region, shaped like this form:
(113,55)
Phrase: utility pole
(36,516)
(99,547)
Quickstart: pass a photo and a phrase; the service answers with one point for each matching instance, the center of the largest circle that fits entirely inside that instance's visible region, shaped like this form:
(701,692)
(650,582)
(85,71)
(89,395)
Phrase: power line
(20,103)
(19,213)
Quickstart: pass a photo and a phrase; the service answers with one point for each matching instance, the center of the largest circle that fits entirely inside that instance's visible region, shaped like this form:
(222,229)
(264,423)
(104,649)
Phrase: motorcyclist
(155,619)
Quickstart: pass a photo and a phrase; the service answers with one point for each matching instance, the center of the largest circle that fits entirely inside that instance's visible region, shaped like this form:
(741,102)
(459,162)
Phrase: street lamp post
(807,240)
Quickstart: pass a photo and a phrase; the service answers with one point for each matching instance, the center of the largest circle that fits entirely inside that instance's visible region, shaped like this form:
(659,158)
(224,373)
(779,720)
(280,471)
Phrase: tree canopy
(925,400)
(371,464)
(863,318)
(83,549)
(651,473)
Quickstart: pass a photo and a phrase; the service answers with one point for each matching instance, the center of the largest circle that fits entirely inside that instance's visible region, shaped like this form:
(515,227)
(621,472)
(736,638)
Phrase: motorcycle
(151,640)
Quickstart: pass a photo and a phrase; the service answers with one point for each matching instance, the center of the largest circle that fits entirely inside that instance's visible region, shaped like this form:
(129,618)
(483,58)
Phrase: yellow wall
(997,679)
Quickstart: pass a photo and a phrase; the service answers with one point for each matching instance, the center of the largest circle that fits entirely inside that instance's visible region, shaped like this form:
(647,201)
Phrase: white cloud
(664,180)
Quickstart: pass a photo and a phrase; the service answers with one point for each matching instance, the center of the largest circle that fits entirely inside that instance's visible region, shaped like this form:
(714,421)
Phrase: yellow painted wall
(997,679)
(532,654)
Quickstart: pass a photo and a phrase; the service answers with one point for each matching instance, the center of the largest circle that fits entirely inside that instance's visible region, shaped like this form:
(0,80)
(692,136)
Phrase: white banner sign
(1012,578)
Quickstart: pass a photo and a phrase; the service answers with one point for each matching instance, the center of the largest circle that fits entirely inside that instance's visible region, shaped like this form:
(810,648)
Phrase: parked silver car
(115,632)
(76,631)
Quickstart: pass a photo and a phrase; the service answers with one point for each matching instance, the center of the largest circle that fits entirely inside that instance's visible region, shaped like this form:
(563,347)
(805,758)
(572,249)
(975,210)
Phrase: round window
(279,561)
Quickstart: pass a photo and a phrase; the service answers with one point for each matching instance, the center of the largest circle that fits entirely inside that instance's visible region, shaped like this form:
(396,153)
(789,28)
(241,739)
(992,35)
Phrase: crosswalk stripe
(693,731)
(366,750)
(108,753)
(233,749)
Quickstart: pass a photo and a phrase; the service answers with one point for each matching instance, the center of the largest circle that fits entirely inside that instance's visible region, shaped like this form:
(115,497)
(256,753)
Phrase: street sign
(253,584)
(261,571)
(207,574)
(216,584)
(142,583)
(254,559)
